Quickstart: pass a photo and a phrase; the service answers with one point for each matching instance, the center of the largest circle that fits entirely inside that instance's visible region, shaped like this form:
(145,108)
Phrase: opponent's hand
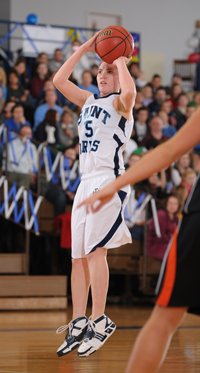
(98,199)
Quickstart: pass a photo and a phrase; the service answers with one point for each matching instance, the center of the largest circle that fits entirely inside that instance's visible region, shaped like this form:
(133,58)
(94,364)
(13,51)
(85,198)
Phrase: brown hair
(50,117)
(4,78)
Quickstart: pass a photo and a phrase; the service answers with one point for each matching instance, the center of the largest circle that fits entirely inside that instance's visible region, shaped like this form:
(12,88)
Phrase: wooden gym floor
(28,343)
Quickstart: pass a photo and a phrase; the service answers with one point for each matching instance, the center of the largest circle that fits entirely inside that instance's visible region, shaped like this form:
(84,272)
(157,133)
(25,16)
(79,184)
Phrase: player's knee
(77,263)
(97,254)
(170,317)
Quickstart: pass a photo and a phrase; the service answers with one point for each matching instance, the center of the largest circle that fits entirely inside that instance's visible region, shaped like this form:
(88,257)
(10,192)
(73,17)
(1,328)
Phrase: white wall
(164,26)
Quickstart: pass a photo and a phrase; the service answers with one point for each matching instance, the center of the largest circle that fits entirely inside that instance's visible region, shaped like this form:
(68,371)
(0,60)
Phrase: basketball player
(104,126)
(178,286)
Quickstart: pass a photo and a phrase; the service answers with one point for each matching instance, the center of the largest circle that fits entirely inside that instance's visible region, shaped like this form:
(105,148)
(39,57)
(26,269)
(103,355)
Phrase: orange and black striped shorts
(179,280)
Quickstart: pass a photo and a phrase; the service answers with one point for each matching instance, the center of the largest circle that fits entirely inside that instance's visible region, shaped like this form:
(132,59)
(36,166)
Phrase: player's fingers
(96,206)
(81,204)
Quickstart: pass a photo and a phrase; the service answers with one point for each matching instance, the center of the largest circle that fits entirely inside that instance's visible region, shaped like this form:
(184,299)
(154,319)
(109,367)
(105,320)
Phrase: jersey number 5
(88,128)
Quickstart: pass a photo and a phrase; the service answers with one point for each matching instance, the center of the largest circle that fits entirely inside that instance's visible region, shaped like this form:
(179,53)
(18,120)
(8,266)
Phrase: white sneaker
(77,329)
(98,332)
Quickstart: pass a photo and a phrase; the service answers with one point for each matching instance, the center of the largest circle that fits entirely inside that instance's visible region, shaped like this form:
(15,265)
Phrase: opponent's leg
(100,327)
(154,339)
(80,281)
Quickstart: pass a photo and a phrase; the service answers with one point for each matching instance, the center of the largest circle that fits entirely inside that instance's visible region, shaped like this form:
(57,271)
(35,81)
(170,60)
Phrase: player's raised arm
(161,157)
(61,79)
(127,86)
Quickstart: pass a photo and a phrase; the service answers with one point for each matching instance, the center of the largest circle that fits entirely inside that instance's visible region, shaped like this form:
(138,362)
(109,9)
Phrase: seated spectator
(167,106)
(3,83)
(133,158)
(175,91)
(18,94)
(22,159)
(47,130)
(41,58)
(21,69)
(56,194)
(183,164)
(141,128)
(50,103)
(17,119)
(6,114)
(155,82)
(188,179)
(87,83)
(167,130)
(141,79)
(38,80)
(168,220)
(66,129)
(147,95)
(56,61)
(48,85)
(155,125)
(155,185)
(180,111)
(15,91)
(176,79)
(190,111)
(138,102)
(181,193)
(173,179)
(196,99)
(82,65)
(134,69)
(151,144)
(94,71)
(159,98)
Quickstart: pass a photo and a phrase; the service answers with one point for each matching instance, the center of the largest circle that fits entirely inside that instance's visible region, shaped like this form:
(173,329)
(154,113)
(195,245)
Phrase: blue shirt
(40,113)
(13,126)
(169,131)
(92,88)
(4,91)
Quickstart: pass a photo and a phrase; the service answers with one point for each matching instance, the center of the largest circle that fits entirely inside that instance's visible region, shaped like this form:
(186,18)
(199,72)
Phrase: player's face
(107,79)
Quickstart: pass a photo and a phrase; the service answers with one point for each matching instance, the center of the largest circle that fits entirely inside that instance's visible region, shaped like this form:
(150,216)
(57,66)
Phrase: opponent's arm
(161,157)
(67,88)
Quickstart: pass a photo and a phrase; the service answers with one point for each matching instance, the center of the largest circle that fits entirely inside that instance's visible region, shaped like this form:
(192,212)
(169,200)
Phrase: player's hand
(98,199)
(122,58)
(90,44)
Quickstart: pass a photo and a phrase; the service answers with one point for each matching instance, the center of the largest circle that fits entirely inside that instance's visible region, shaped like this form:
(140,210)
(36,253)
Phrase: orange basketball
(114,42)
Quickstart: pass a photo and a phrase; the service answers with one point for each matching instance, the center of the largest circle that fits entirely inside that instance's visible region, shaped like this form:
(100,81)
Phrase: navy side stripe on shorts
(122,196)
(116,157)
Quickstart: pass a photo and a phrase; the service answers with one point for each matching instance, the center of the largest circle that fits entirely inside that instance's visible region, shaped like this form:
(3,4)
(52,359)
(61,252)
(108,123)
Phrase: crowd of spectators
(31,106)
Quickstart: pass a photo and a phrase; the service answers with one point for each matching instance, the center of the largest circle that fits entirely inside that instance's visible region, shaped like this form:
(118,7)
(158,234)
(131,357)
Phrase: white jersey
(103,135)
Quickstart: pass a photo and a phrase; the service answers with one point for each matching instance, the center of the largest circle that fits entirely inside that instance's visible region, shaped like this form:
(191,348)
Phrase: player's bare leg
(154,339)
(77,327)
(100,327)
(99,278)
(80,282)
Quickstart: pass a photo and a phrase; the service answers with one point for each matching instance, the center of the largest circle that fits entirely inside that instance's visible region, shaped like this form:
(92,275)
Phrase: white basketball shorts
(105,228)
